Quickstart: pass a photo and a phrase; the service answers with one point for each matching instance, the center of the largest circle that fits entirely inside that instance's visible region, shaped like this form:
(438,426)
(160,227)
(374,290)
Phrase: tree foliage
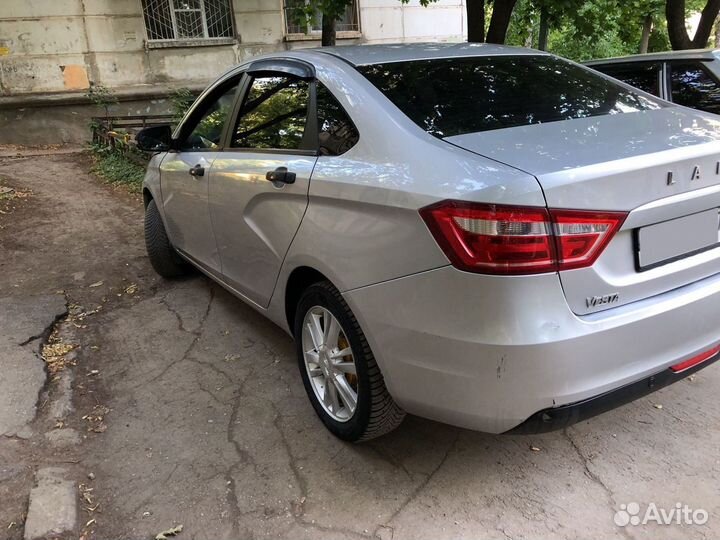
(330,11)
(583,29)
(676,13)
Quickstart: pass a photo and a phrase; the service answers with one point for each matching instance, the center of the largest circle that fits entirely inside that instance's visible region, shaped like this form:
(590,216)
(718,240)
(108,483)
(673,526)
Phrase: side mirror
(154,139)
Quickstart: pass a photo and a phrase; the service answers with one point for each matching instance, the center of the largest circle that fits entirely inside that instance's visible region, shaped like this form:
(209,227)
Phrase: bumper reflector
(695,360)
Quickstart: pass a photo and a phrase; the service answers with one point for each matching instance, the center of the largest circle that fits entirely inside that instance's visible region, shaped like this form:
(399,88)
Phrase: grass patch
(118,168)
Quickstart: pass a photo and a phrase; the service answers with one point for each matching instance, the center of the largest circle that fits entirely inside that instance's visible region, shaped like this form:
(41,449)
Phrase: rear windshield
(454,96)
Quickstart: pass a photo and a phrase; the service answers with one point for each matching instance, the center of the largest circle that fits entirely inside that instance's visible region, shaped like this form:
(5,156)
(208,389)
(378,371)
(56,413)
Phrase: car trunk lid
(660,166)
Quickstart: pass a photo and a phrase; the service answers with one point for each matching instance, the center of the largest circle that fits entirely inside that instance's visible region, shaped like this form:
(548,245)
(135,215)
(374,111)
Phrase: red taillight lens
(581,235)
(496,239)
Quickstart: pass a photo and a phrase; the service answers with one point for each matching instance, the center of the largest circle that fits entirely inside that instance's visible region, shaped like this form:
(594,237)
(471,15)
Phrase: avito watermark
(681,514)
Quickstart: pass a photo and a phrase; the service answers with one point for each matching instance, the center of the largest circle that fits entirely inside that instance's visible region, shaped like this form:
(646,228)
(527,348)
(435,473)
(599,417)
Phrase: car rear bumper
(567,415)
(488,352)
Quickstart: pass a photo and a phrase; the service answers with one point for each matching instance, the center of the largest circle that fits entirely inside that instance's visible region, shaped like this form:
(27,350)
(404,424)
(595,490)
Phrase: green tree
(676,12)
(332,11)
(304,12)
(477,11)
(584,29)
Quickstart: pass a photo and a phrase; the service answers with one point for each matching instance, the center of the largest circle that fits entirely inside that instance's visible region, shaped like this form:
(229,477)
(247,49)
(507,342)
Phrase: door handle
(282,175)
(197,170)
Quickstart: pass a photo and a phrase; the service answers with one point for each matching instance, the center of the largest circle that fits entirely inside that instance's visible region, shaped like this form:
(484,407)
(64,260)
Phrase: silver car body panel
(480,351)
(486,352)
(710,58)
(255,220)
(185,206)
(690,54)
(613,163)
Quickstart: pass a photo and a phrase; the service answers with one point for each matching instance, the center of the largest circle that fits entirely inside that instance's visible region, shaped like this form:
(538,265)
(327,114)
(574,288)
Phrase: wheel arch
(147,196)
(299,280)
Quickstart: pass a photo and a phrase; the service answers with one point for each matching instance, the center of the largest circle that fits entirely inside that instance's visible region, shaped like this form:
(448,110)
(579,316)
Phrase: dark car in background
(689,78)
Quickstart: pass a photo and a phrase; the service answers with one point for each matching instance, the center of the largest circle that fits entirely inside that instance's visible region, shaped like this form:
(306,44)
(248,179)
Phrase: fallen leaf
(170,532)
(131,289)
(55,354)
(96,284)
(658,406)
(534,449)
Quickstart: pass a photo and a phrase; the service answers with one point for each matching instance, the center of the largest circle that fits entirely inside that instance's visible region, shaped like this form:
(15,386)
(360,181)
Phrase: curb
(53,506)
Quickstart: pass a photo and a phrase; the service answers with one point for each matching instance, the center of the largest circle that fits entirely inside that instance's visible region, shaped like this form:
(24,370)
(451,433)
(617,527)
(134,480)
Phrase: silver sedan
(487,236)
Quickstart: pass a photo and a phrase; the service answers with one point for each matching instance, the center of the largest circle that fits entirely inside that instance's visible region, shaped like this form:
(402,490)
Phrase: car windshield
(453,96)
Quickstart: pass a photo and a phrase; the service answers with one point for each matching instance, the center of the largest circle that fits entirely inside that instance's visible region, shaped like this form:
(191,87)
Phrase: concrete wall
(66,123)
(51,50)
(62,45)
(387,21)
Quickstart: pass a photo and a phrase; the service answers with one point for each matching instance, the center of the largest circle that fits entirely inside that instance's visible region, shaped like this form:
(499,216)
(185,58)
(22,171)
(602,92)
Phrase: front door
(184,176)
(259,184)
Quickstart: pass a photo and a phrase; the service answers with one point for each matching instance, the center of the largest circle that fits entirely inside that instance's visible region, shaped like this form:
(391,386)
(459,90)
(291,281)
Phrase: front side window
(170,20)
(454,96)
(692,86)
(640,75)
(211,117)
(301,18)
(274,114)
(336,132)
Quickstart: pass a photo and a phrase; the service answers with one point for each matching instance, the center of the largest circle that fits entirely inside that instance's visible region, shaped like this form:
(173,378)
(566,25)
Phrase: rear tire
(163,257)
(375,413)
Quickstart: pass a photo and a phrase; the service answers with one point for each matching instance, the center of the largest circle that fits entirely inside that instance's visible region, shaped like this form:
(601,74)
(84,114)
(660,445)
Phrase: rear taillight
(498,239)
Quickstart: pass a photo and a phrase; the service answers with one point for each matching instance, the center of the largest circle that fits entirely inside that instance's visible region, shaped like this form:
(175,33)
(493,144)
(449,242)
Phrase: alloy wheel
(330,363)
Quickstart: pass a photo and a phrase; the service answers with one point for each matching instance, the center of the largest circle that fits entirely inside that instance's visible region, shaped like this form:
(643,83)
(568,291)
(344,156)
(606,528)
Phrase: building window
(301,20)
(183,20)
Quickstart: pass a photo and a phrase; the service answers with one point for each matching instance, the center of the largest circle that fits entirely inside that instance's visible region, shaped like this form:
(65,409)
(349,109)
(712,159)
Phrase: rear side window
(336,132)
(693,86)
(643,76)
(454,96)
(273,115)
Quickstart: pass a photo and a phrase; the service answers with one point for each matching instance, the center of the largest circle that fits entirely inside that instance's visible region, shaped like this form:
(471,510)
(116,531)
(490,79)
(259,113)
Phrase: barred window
(168,20)
(300,19)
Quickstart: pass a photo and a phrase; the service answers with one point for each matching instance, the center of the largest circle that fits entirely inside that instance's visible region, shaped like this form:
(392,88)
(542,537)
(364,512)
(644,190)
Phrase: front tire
(163,257)
(338,369)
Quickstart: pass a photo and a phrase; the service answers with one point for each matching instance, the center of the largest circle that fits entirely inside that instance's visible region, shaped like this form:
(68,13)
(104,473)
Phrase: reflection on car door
(259,183)
(646,76)
(184,176)
(692,85)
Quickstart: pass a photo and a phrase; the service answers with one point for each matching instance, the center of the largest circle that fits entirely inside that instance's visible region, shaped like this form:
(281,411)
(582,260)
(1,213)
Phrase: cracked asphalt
(209,425)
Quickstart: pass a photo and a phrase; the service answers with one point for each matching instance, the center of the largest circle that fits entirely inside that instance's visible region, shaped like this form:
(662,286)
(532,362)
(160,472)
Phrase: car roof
(692,54)
(360,55)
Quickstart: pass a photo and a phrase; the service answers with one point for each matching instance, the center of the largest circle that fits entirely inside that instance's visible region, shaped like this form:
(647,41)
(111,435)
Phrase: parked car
(487,236)
(689,78)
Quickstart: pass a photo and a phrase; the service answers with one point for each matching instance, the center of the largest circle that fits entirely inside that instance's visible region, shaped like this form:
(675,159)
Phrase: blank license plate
(671,240)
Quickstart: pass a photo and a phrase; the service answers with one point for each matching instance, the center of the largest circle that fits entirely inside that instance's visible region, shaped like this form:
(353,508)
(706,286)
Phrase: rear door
(259,185)
(184,174)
